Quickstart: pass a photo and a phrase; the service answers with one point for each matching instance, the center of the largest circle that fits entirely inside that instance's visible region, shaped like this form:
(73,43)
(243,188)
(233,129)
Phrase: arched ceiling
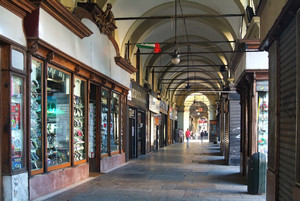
(206,31)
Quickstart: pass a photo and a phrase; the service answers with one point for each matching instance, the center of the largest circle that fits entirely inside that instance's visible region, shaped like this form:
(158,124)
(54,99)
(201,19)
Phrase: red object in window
(104,125)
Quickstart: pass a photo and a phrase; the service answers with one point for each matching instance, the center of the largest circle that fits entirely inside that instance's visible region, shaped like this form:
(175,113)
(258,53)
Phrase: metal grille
(287,135)
(226,140)
(235,132)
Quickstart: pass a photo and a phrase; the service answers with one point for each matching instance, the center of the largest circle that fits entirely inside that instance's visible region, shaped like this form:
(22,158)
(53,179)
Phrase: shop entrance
(141,134)
(94,128)
(132,134)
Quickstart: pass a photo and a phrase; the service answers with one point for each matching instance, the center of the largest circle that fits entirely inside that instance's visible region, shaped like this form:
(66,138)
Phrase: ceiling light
(175,57)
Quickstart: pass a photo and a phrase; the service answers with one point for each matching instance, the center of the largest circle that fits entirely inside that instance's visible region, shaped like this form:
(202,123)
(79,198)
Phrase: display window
(104,123)
(17,123)
(36,137)
(58,118)
(79,120)
(262,121)
(114,122)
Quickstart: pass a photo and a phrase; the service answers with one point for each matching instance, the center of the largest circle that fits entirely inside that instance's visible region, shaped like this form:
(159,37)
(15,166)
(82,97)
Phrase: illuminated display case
(58,117)
(262,116)
(104,123)
(36,138)
(79,120)
(114,125)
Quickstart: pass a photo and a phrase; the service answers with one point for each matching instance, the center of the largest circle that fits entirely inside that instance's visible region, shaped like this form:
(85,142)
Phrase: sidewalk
(171,174)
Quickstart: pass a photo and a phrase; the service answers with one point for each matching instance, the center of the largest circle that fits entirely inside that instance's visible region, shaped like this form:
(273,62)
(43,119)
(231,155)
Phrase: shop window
(104,123)
(58,118)
(262,121)
(114,121)
(17,122)
(36,141)
(79,120)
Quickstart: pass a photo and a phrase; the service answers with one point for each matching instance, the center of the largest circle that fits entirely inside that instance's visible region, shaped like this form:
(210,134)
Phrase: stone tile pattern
(171,174)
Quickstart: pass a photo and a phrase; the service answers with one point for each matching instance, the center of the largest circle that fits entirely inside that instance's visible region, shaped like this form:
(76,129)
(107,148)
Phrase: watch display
(104,123)
(114,122)
(36,116)
(79,120)
(58,117)
(92,129)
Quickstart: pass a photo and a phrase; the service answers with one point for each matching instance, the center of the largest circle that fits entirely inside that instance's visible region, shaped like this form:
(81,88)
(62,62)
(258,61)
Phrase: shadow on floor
(214,162)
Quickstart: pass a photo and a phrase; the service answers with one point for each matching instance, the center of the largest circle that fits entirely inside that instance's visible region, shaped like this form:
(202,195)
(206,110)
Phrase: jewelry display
(92,130)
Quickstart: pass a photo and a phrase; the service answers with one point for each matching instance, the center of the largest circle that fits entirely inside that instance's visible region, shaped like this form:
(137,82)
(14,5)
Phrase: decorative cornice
(47,51)
(18,7)
(64,16)
(123,63)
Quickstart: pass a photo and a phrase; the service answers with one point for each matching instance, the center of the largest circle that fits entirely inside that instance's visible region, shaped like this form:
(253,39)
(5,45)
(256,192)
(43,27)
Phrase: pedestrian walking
(181,135)
(202,135)
(187,135)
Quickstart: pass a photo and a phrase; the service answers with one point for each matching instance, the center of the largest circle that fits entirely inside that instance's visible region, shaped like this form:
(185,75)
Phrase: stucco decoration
(103,19)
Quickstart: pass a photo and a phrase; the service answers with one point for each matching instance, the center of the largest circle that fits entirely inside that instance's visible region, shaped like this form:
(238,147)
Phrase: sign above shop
(164,107)
(154,104)
(173,113)
(262,86)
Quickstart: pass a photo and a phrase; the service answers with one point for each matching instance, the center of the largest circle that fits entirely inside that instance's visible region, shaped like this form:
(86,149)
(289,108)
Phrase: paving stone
(173,173)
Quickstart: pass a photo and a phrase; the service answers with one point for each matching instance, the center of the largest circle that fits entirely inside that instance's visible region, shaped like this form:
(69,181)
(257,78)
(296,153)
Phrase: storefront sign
(164,107)
(154,104)
(262,86)
(173,113)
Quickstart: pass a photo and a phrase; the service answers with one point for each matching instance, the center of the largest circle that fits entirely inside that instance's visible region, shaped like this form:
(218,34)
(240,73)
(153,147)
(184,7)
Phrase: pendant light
(176,55)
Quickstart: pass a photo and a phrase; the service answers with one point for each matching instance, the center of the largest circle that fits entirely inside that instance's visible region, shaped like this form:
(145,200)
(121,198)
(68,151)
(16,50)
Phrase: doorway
(94,128)
(132,133)
(141,134)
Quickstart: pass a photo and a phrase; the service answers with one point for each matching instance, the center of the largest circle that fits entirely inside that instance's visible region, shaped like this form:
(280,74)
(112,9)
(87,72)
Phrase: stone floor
(173,173)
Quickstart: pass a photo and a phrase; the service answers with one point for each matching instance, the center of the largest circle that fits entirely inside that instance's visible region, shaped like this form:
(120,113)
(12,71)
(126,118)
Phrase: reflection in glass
(17,132)
(114,120)
(79,120)
(104,125)
(58,117)
(36,116)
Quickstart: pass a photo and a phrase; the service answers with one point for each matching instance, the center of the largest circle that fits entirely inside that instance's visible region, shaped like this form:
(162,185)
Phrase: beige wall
(269,15)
